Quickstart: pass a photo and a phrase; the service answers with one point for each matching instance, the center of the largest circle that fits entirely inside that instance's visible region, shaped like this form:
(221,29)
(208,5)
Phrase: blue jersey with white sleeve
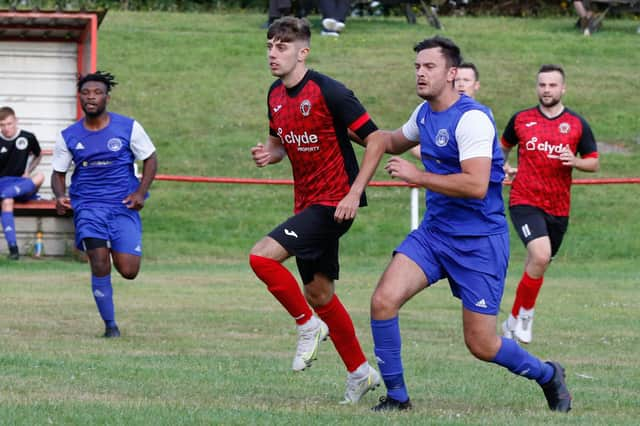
(463,131)
(104,160)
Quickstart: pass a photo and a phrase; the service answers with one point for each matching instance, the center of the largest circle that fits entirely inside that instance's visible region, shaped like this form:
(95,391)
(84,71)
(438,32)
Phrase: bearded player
(549,137)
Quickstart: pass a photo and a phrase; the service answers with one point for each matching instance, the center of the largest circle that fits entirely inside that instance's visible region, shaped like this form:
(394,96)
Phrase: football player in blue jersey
(105,194)
(463,236)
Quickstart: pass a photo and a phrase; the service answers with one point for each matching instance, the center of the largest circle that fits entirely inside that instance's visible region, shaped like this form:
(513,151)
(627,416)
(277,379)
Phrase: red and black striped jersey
(312,121)
(542,181)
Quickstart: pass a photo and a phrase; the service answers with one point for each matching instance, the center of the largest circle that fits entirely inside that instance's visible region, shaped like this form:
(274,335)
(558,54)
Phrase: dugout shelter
(41,55)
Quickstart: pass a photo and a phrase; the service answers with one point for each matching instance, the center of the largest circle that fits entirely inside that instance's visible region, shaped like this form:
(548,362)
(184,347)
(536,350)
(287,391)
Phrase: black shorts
(312,237)
(531,223)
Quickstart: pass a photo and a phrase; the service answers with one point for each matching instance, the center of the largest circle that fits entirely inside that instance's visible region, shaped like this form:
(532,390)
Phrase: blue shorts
(119,226)
(476,267)
(8,181)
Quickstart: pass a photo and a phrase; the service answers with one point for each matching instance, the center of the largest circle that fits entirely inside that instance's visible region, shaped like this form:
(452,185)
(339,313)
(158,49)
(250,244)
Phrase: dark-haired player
(467,82)
(548,137)
(310,116)
(16,168)
(463,236)
(105,194)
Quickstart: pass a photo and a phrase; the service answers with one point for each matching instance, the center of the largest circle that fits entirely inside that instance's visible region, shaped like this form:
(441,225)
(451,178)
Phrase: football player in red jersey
(310,117)
(549,136)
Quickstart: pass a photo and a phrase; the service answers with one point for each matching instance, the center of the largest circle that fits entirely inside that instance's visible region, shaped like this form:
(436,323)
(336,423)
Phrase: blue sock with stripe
(520,362)
(388,349)
(9,227)
(103,295)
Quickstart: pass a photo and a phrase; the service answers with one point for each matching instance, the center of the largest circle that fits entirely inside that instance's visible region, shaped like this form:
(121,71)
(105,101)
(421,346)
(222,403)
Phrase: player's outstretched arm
(271,153)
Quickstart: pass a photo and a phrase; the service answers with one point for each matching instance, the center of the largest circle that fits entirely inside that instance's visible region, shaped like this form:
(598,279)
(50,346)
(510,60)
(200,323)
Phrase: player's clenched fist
(261,156)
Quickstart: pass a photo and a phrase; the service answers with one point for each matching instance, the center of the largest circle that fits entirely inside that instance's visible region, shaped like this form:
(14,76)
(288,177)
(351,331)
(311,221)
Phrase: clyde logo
(552,151)
(303,139)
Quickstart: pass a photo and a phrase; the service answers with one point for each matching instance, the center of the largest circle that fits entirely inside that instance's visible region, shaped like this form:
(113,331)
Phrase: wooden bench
(36,216)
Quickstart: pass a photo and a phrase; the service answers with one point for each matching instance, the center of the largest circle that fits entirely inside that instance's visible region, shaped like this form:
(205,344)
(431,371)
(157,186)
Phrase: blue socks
(520,362)
(103,295)
(20,189)
(388,347)
(9,228)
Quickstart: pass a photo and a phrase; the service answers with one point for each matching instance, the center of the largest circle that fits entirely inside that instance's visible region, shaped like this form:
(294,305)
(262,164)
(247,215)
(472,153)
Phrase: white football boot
(358,384)
(524,325)
(310,334)
(508,326)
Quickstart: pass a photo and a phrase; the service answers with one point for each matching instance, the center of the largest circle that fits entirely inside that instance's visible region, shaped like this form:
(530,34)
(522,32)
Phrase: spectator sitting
(16,182)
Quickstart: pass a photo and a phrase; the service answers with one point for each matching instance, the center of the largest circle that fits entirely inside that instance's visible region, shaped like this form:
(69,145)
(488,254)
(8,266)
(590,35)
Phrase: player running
(548,137)
(310,116)
(464,235)
(105,194)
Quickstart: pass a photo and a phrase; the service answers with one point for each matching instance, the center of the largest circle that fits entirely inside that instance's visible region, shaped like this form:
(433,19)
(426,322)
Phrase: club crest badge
(564,128)
(114,144)
(305,107)
(22,143)
(442,138)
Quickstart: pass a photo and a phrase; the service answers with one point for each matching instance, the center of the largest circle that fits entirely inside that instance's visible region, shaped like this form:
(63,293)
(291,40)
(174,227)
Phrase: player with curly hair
(105,194)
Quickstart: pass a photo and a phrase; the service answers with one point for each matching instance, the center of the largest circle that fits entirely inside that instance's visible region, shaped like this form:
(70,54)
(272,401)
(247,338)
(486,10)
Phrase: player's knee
(541,260)
(269,248)
(99,267)
(483,349)
(382,306)
(319,291)
(255,251)
(318,299)
(128,275)
(38,179)
(7,204)
(262,248)
(128,272)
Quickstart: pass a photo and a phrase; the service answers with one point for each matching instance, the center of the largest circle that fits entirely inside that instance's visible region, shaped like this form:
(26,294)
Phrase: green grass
(204,343)
(208,345)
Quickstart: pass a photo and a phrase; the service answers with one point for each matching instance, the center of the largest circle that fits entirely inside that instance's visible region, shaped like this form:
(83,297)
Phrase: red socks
(283,286)
(342,333)
(527,293)
(287,291)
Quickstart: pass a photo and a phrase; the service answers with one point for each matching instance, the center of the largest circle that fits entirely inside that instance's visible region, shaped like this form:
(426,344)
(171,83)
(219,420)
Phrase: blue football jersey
(104,160)
(441,154)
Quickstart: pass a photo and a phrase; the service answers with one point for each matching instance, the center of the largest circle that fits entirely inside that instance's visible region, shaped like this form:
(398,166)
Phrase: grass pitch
(204,343)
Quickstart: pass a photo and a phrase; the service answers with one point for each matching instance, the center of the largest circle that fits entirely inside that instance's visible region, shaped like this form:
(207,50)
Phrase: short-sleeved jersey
(444,143)
(312,121)
(14,153)
(542,181)
(104,172)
